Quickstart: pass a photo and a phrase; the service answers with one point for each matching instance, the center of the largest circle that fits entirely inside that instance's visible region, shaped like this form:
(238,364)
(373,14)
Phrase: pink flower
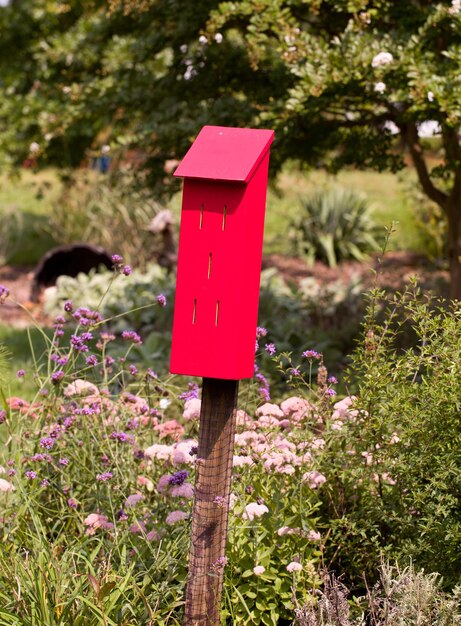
(313,535)
(153,535)
(294,567)
(285,530)
(95,521)
(240,461)
(163,483)
(186,490)
(296,408)
(133,499)
(172,429)
(145,482)
(258,570)
(253,510)
(176,516)
(269,409)
(314,479)
(137,527)
(192,409)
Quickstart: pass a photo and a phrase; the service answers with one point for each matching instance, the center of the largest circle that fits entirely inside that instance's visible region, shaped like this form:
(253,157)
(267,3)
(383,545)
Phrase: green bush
(334,226)
(111,212)
(394,471)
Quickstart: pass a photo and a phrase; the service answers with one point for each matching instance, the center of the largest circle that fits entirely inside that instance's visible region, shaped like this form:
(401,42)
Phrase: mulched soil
(392,273)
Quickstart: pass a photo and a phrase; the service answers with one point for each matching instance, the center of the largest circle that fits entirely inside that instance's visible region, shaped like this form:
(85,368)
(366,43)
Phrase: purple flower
(86,336)
(260,332)
(56,377)
(47,443)
(270,348)
(312,354)
(295,371)
(72,502)
(191,394)
(330,392)
(109,360)
(77,343)
(121,436)
(127,270)
(179,478)
(68,306)
(64,461)
(333,380)
(3,415)
(41,457)
(45,482)
(117,259)
(12,472)
(104,477)
(132,424)
(30,474)
(59,321)
(20,374)
(151,373)
(91,360)
(133,370)
(4,293)
(131,335)
(161,300)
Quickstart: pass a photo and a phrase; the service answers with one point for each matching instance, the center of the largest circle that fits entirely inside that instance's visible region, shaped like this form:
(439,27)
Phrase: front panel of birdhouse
(219,266)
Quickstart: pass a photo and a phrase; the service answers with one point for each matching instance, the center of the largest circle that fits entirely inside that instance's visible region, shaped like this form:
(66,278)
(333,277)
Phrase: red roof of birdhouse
(228,154)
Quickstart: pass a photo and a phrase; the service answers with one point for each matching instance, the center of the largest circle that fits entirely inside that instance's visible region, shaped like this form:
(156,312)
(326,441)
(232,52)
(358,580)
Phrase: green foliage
(402,596)
(111,212)
(333,226)
(394,470)
(297,317)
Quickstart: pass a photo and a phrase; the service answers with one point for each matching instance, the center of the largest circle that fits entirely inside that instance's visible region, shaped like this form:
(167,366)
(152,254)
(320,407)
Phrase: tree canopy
(336,79)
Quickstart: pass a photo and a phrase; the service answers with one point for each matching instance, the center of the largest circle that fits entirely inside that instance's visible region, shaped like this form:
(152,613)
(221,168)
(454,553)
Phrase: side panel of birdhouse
(219,266)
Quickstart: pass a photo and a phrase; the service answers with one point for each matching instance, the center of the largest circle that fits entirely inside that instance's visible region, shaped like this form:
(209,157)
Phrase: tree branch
(410,135)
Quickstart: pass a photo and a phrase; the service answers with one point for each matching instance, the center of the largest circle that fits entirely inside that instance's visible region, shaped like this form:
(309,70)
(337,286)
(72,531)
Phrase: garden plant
(98,473)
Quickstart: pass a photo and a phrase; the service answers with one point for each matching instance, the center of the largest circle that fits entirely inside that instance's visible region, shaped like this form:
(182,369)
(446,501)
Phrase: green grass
(386,192)
(23,344)
(29,196)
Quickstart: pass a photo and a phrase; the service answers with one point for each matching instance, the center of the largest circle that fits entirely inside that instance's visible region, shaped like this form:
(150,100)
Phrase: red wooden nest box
(220,251)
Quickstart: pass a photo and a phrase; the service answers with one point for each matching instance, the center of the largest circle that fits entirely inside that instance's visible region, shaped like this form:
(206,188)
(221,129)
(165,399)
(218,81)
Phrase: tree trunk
(453,212)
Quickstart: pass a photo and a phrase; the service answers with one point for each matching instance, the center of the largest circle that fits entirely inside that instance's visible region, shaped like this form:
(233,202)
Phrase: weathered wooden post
(214,328)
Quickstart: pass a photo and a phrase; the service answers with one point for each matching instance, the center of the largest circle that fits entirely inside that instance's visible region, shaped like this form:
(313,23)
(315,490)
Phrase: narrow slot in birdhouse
(224,217)
(210,260)
(217,313)
(194,312)
(201,217)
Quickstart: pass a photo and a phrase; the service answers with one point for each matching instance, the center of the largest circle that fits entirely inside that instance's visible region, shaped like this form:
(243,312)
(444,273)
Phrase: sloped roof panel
(224,153)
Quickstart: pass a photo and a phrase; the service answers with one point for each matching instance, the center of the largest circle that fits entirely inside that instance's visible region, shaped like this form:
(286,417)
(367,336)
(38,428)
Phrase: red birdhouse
(220,252)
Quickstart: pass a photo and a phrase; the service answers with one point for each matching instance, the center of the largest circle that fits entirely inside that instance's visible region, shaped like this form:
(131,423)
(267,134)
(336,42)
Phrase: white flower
(218,38)
(105,149)
(313,535)
(253,510)
(294,567)
(48,136)
(455,7)
(258,570)
(430,95)
(5,485)
(202,40)
(380,87)
(34,147)
(164,403)
(66,89)
(183,48)
(381,59)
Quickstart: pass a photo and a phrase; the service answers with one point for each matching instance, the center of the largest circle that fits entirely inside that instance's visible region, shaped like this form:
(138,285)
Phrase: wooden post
(211,507)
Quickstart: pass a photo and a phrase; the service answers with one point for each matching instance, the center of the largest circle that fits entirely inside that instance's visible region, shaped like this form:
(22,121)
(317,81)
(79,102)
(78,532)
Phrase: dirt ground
(393,273)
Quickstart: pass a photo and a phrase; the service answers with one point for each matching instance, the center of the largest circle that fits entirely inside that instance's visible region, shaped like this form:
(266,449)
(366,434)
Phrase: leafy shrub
(11,225)
(333,226)
(326,317)
(111,212)
(394,472)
